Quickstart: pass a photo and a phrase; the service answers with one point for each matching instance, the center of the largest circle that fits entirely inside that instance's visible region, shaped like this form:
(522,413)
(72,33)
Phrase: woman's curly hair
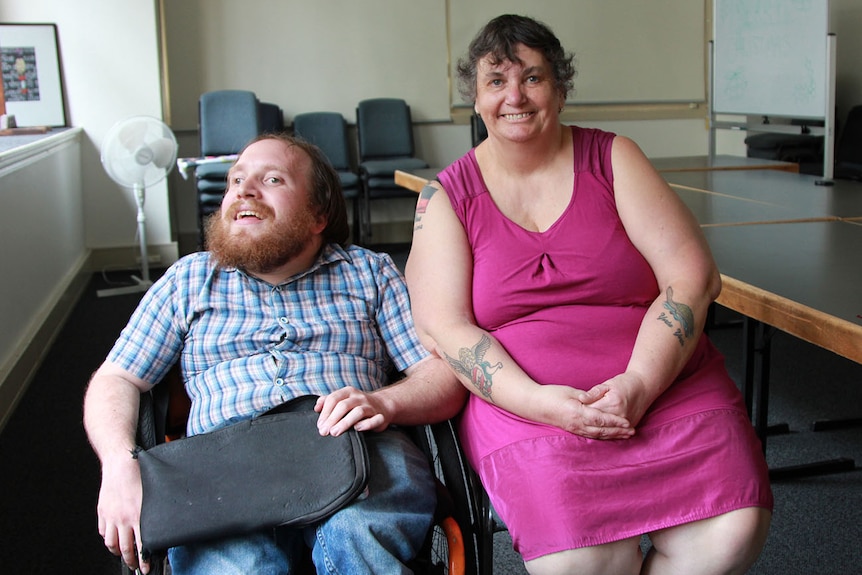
(499,40)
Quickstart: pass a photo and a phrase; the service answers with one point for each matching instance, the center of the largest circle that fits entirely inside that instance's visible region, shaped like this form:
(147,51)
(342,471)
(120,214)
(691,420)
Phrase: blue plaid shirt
(246,345)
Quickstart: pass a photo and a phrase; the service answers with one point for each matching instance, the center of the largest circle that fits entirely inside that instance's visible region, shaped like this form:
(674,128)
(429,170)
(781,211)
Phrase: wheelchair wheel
(158,566)
(464,493)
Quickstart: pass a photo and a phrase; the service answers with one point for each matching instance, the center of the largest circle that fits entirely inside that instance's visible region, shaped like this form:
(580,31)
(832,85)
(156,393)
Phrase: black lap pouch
(269,471)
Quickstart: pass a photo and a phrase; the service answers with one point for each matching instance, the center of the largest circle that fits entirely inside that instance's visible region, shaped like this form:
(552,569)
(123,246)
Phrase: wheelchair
(459,541)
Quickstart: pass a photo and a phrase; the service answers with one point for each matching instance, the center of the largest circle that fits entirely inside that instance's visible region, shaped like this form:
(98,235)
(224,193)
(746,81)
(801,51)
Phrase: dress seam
(564,433)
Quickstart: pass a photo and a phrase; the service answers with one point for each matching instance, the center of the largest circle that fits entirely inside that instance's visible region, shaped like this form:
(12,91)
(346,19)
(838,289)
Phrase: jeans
(377,533)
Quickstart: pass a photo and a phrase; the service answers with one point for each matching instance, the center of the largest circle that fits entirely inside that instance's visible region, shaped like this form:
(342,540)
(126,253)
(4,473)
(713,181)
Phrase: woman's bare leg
(617,558)
(724,545)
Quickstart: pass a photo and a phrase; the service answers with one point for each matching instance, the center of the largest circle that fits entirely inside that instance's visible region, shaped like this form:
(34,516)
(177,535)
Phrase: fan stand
(142,283)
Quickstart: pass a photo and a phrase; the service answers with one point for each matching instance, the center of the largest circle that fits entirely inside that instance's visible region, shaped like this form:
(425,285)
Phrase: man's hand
(349,407)
(119,510)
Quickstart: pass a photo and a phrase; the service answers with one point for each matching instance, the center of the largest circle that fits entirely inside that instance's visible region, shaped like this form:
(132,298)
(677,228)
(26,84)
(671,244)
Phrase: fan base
(139,287)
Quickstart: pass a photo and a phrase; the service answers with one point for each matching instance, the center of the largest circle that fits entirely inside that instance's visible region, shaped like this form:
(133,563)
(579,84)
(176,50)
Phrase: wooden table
(720,162)
(802,278)
(797,195)
(417,179)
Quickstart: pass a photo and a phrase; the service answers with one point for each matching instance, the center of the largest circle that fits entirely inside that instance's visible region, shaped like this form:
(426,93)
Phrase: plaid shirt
(246,345)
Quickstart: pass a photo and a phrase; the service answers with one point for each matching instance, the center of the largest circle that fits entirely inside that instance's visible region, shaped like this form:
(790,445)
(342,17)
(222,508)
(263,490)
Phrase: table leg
(757,344)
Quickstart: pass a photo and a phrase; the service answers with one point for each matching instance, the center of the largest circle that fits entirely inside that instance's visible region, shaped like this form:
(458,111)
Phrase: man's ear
(320,224)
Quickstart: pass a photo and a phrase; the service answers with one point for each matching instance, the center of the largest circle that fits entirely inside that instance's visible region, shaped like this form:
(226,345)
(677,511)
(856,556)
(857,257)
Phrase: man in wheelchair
(280,306)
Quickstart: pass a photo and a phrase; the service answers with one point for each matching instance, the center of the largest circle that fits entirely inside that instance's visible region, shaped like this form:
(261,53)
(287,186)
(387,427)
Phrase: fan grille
(139,151)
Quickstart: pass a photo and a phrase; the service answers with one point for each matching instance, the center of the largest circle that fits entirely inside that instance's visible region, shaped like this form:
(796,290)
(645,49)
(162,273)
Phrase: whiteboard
(770,57)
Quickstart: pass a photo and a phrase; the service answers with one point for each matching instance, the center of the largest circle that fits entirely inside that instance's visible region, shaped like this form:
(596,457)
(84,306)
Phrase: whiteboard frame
(828,116)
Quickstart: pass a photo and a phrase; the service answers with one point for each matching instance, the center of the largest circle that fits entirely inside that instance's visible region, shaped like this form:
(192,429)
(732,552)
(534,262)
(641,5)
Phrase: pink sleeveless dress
(567,304)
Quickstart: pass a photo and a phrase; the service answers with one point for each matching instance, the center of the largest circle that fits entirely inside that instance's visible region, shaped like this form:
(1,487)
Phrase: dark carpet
(50,478)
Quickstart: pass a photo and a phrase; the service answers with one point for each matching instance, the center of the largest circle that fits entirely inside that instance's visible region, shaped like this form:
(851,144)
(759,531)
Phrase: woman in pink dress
(567,286)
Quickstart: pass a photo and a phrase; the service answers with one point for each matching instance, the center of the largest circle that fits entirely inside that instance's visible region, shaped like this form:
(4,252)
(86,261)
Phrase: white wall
(43,255)
(110,60)
(59,205)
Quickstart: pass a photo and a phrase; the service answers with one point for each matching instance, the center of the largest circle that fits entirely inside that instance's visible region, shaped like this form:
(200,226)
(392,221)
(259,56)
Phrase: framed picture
(32,85)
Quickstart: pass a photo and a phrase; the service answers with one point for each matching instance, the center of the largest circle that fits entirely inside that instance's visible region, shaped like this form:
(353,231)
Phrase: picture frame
(31,76)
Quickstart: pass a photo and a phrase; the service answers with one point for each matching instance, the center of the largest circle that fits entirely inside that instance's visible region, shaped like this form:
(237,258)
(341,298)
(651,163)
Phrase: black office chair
(328,131)
(228,120)
(848,153)
(454,543)
(385,133)
(271,118)
(478,130)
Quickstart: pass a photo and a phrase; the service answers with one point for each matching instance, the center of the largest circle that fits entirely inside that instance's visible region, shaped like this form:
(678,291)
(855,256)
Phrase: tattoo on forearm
(682,314)
(422,205)
(472,364)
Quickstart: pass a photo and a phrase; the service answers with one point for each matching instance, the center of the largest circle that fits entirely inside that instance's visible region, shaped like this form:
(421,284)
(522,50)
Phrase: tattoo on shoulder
(682,314)
(472,364)
(422,205)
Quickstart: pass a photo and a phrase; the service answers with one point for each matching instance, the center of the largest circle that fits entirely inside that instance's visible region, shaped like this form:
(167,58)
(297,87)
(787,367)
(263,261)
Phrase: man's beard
(258,252)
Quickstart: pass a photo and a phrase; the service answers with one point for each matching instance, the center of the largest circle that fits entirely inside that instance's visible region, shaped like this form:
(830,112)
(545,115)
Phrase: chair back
(478,130)
(849,147)
(229,119)
(384,128)
(271,118)
(327,131)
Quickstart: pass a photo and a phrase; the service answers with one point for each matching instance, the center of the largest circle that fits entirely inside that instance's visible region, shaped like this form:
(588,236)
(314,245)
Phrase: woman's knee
(619,557)
(745,535)
(725,544)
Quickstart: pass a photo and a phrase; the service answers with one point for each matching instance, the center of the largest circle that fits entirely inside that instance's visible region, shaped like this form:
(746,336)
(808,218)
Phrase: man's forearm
(429,393)
(111,414)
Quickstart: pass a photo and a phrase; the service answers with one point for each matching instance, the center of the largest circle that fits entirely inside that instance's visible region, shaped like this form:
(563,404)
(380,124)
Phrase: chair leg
(365,223)
(356,226)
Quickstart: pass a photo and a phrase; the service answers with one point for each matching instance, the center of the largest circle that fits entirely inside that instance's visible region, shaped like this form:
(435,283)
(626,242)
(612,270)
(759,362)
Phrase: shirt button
(279,382)
(283,320)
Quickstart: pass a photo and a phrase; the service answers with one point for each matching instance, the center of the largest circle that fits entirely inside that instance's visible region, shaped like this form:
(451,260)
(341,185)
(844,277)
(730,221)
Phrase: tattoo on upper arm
(473,365)
(422,205)
(682,314)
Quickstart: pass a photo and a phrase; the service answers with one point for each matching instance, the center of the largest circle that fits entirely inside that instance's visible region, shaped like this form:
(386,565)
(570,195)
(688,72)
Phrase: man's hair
(499,39)
(326,196)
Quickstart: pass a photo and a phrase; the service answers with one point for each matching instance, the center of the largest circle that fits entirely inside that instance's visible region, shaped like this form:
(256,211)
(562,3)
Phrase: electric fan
(138,152)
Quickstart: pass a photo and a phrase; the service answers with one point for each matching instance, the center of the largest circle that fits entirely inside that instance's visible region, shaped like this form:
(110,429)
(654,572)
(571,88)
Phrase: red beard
(258,253)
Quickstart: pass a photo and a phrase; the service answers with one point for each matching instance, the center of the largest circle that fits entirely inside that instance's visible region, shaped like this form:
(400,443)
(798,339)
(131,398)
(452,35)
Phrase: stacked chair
(271,118)
(228,120)
(385,133)
(328,131)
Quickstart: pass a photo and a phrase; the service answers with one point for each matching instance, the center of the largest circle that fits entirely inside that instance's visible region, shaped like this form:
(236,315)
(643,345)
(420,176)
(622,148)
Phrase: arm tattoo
(422,205)
(472,364)
(681,313)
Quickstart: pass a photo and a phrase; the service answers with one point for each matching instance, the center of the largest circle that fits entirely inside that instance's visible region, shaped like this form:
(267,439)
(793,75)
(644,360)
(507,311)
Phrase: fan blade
(132,134)
(164,152)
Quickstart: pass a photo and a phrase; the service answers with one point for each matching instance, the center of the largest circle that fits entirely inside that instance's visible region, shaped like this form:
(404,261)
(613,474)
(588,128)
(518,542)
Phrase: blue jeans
(377,533)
